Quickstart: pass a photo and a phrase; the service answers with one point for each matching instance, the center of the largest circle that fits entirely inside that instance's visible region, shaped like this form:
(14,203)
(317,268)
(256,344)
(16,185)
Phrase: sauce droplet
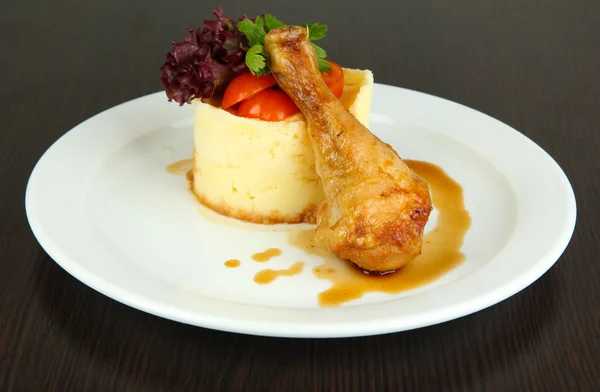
(440,254)
(181,168)
(233,263)
(266,255)
(269,275)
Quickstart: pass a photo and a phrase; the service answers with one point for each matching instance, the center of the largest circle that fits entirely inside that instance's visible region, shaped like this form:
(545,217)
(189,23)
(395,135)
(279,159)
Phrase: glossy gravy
(268,275)
(266,255)
(441,247)
(233,263)
(181,168)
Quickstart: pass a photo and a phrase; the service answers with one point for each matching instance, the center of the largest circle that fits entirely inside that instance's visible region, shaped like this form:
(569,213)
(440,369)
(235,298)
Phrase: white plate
(101,204)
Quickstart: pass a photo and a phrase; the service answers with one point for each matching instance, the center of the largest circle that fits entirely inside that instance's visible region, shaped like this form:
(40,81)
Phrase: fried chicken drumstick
(375,207)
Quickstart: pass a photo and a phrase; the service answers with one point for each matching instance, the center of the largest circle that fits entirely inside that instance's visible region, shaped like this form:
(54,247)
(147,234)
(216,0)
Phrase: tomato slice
(258,100)
(245,86)
(334,78)
(268,105)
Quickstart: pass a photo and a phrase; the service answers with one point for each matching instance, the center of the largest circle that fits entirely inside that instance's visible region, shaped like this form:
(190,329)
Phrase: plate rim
(317,329)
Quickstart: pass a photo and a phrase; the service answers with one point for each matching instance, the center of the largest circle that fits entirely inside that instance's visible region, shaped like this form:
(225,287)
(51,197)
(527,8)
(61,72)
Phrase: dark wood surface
(533,64)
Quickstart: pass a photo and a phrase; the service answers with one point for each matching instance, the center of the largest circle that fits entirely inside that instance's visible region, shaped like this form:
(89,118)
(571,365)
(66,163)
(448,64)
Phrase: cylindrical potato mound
(264,172)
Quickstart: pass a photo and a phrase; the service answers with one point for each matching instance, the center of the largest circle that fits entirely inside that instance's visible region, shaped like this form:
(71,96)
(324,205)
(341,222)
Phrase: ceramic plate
(102,205)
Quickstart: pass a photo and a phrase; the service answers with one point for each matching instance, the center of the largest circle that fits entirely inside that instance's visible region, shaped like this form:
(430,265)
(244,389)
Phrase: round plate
(102,205)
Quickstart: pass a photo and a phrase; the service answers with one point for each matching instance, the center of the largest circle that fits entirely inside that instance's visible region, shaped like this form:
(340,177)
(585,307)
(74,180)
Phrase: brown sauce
(440,254)
(269,275)
(266,255)
(233,263)
(181,168)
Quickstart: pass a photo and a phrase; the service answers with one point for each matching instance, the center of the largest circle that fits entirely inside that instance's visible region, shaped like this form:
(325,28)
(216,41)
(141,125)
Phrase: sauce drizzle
(233,263)
(269,275)
(181,167)
(266,255)
(440,254)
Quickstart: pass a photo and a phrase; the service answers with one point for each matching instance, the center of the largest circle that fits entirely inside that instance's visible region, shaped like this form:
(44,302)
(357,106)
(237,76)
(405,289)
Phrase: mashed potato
(264,172)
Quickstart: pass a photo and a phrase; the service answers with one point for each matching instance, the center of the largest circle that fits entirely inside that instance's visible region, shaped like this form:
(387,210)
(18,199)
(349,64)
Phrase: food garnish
(226,60)
(206,60)
(257,30)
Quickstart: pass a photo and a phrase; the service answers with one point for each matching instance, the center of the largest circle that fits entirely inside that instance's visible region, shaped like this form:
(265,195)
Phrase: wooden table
(533,64)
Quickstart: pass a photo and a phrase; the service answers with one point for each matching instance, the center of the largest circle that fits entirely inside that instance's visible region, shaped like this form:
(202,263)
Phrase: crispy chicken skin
(375,207)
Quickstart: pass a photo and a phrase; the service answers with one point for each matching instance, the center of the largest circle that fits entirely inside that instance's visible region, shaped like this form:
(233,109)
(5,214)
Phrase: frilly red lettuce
(205,61)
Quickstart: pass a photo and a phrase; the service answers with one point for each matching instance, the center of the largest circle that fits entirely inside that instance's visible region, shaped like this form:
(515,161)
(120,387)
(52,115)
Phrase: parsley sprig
(256,31)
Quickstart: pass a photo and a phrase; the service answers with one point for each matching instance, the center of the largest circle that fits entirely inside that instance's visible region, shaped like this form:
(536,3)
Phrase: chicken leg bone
(375,207)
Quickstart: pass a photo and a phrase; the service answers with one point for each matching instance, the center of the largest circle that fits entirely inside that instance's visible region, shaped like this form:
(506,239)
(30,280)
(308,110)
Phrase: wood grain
(533,64)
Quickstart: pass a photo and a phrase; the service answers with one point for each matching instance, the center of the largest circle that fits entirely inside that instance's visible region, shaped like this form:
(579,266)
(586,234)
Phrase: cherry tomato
(334,78)
(268,105)
(245,86)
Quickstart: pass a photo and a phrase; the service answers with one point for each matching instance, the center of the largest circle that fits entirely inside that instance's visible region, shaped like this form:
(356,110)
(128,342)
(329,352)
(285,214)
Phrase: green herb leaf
(254,31)
(323,65)
(260,22)
(321,55)
(272,22)
(255,60)
(316,31)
